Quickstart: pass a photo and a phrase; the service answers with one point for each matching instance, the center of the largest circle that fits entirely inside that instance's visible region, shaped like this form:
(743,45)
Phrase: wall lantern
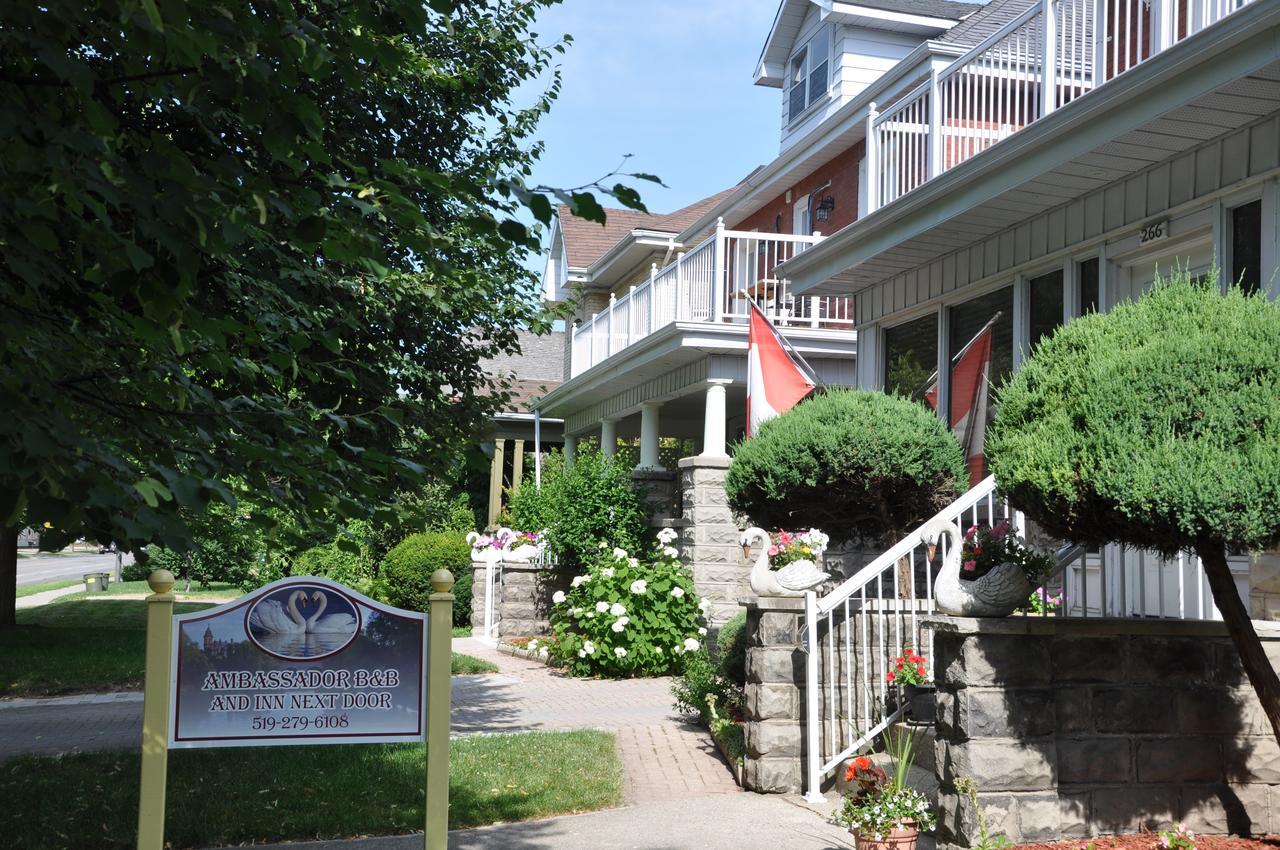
(825,206)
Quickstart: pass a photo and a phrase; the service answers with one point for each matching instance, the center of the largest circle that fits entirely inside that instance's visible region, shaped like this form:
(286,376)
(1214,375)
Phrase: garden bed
(1148,841)
(519,648)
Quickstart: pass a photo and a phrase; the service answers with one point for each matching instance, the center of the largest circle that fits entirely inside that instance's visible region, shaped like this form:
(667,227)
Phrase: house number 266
(1152,232)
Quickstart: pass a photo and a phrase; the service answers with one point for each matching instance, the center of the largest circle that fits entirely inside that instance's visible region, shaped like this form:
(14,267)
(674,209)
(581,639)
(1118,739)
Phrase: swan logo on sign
(303,622)
(302,660)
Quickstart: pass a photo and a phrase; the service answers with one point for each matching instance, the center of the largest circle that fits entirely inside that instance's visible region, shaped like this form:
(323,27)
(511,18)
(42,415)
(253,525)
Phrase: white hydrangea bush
(629,617)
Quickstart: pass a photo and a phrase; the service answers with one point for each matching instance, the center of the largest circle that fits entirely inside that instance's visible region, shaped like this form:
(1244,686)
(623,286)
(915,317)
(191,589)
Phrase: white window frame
(804,55)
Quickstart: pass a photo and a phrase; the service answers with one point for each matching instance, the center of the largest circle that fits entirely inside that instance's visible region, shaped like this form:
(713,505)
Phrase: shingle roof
(985,21)
(950,9)
(587,241)
(523,392)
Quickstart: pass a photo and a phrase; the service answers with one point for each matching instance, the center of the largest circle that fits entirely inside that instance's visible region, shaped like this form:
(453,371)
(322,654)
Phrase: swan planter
(996,594)
(792,580)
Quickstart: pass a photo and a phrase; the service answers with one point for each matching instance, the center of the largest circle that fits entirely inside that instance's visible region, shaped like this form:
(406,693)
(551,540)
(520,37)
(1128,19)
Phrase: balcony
(716,281)
(1011,80)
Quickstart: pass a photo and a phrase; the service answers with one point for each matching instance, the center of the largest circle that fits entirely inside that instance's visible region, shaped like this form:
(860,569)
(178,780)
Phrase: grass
(462,631)
(42,587)
(216,591)
(77,646)
(266,794)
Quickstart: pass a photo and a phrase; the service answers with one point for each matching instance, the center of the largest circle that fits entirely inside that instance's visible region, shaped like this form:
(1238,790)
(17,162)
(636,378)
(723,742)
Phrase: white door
(800,224)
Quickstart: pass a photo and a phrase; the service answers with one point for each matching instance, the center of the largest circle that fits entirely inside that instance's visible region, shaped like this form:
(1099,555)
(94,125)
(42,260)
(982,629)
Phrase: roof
(522,392)
(587,241)
(952,9)
(985,21)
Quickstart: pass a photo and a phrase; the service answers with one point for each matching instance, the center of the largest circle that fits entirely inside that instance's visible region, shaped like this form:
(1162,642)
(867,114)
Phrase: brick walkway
(663,757)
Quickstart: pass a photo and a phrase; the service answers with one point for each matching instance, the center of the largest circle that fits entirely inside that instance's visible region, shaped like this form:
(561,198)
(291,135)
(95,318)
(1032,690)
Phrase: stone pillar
(772,710)
(714,424)
(661,495)
(710,539)
(608,437)
(517,466)
(522,598)
(570,449)
(649,433)
(495,480)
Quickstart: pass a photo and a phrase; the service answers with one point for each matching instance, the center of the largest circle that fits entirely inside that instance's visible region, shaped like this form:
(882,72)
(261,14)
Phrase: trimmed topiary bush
(595,502)
(857,464)
(1156,425)
(406,571)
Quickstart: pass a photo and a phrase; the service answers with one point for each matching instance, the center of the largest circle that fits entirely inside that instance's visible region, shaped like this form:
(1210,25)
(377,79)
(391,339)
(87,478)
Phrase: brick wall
(841,170)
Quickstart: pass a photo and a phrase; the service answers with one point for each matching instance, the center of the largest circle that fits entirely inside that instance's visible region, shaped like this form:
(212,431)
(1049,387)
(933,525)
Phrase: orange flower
(863,763)
(849,773)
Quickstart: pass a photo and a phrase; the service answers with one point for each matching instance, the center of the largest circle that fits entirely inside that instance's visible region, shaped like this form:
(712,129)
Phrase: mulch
(1147,841)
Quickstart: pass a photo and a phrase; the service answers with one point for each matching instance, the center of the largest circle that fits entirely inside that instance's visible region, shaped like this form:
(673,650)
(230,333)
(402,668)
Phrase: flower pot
(920,702)
(902,838)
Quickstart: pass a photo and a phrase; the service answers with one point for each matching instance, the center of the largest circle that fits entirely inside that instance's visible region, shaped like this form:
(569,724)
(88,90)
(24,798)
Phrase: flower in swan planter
(986,573)
(785,566)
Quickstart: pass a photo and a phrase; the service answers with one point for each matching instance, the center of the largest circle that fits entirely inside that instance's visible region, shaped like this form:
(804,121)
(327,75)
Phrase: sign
(299,661)
(1153,232)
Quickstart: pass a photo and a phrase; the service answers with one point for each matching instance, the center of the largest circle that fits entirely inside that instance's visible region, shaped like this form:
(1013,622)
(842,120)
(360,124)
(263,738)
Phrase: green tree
(263,242)
(1156,425)
(857,464)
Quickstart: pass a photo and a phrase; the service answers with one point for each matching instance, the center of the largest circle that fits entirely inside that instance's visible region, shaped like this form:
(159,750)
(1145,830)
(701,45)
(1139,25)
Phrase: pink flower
(970,566)
(968,535)
(784,538)
(773,550)
(1001,529)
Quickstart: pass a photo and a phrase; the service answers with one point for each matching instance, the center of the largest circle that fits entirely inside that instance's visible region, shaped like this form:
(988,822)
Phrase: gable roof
(953,9)
(985,21)
(587,241)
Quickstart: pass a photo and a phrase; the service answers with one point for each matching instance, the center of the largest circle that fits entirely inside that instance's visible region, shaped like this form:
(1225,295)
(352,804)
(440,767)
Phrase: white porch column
(570,449)
(713,420)
(608,437)
(649,436)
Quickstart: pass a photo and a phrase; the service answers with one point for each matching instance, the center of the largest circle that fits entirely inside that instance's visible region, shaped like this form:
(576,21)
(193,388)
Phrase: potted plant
(787,564)
(988,572)
(910,676)
(881,811)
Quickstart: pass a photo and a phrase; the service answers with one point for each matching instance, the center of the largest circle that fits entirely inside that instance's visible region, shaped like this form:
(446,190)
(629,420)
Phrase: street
(49,567)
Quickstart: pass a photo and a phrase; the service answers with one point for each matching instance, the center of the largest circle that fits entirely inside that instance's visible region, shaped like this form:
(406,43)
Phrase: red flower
(863,763)
(920,669)
(890,676)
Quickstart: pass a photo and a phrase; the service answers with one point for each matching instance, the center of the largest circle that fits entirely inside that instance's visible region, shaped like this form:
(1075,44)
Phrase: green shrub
(701,678)
(337,564)
(592,503)
(626,618)
(435,507)
(137,570)
(406,571)
(731,649)
(857,464)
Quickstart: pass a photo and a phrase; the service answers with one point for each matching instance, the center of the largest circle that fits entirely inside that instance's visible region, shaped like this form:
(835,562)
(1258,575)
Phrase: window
(1087,274)
(1246,246)
(911,359)
(1045,293)
(981,341)
(810,67)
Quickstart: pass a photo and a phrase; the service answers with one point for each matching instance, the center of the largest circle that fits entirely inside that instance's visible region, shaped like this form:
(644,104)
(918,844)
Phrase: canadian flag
(775,382)
(970,398)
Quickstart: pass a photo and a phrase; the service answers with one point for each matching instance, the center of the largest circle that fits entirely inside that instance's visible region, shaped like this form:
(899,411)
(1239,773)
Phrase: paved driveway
(38,568)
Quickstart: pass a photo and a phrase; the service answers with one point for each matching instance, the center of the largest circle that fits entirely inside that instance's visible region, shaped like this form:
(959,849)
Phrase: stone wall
(522,596)
(710,538)
(773,701)
(1076,728)
(661,495)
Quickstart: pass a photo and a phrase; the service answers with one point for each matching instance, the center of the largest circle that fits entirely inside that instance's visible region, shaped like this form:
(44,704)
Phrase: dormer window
(810,68)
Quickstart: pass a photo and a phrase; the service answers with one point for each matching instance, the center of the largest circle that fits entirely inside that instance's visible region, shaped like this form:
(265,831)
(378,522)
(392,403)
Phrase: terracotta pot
(897,839)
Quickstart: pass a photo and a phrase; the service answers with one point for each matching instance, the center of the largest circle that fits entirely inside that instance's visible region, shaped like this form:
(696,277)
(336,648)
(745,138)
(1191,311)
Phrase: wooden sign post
(300,661)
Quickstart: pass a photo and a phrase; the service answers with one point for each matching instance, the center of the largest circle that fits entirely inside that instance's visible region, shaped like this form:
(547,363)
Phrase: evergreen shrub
(405,577)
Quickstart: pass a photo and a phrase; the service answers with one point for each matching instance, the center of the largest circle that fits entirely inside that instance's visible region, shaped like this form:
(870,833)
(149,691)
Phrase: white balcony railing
(715,281)
(1010,80)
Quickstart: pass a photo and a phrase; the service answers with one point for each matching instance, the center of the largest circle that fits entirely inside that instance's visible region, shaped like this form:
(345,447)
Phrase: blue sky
(669,81)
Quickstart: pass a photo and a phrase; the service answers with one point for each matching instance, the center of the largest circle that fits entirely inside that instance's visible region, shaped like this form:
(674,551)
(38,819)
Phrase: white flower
(658,649)
(588,647)
(639,586)
(542,653)
(671,551)
(677,649)
(591,615)
(577,612)
(616,609)
(620,624)
(602,606)
(702,631)
(620,651)
(620,554)
(677,591)
(533,644)
(607,572)
(634,562)
(666,535)
(582,653)
(577,580)
(704,605)
(557,597)
(691,644)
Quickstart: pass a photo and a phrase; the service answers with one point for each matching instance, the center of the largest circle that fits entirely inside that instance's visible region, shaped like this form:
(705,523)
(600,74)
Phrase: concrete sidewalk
(725,822)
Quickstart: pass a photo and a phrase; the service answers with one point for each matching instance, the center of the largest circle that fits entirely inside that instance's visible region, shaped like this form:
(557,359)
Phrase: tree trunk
(1236,616)
(8,577)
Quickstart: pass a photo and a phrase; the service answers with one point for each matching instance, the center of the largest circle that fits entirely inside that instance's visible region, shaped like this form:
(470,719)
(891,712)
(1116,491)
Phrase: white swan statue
(792,580)
(479,552)
(343,623)
(995,594)
(276,619)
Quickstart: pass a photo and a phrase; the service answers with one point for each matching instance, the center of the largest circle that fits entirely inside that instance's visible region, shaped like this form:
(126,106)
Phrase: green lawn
(84,645)
(462,631)
(219,590)
(33,589)
(252,795)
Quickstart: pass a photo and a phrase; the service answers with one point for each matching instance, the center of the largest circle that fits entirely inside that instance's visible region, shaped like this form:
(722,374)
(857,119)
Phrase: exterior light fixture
(825,206)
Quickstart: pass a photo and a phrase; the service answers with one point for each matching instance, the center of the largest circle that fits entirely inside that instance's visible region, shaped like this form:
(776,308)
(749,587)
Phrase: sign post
(303,660)
(155,712)
(440,623)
